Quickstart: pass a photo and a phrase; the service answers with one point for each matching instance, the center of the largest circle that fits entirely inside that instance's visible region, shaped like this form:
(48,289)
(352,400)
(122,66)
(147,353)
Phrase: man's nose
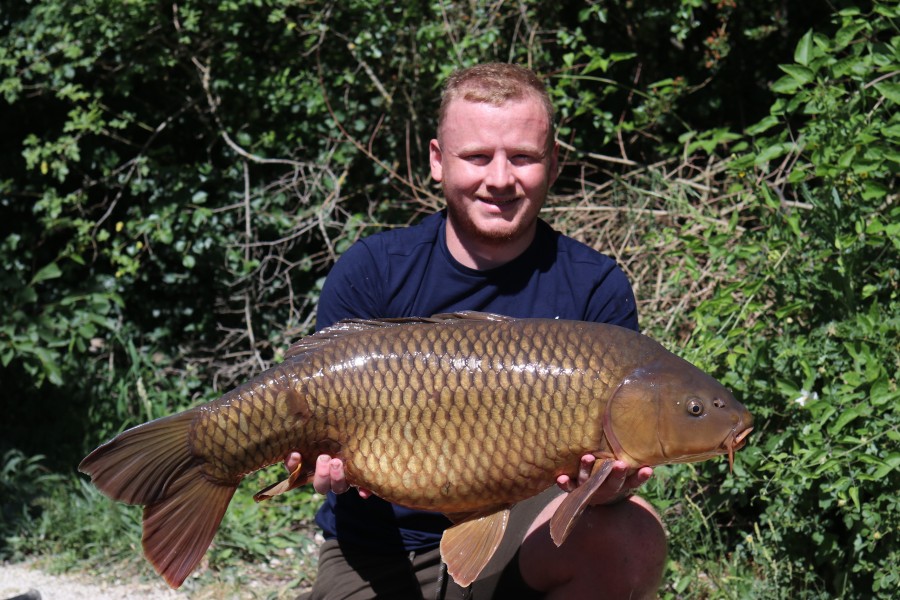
(499,172)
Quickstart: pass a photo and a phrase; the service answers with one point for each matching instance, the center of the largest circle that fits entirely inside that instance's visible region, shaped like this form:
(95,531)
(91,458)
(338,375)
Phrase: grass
(63,524)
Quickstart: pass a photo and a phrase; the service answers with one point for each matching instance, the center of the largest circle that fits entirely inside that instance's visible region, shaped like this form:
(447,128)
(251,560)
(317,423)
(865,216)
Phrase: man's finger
(322,476)
(292,461)
(584,471)
(638,478)
(565,483)
(339,485)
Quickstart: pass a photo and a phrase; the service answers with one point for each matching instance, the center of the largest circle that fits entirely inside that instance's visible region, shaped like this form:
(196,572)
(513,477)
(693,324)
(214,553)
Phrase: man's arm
(352,289)
(613,301)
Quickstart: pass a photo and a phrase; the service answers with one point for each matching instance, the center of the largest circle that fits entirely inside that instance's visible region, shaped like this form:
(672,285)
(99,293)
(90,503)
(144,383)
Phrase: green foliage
(808,339)
(23,481)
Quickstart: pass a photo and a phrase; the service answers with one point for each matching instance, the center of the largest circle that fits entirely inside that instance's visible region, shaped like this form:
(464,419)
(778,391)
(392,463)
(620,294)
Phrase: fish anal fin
(573,505)
(294,480)
(468,546)
(179,529)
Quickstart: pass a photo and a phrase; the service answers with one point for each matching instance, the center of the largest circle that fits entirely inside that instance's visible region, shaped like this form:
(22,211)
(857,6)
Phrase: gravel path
(19,578)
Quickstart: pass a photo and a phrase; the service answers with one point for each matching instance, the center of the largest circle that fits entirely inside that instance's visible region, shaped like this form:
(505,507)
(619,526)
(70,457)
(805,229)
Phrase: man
(496,157)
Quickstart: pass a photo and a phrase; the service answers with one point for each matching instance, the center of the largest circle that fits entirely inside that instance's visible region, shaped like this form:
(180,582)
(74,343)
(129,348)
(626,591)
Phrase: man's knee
(619,548)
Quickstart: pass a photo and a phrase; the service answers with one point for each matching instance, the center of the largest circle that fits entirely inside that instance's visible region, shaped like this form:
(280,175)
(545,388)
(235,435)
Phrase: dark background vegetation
(177,178)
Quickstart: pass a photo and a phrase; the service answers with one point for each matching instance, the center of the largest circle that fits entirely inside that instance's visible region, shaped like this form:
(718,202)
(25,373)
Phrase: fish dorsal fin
(573,505)
(348,327)
(468,546)
(469,315)
(340,329)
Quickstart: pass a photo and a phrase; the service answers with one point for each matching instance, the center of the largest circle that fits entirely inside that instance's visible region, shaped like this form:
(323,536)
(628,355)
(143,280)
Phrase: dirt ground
(19,578)
(258,584)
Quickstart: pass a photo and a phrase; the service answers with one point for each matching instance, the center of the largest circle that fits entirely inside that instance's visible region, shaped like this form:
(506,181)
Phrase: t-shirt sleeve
(352,289)
(613,301)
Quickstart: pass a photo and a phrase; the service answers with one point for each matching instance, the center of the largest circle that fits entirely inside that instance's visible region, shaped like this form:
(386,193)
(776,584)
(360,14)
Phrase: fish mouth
(735,441)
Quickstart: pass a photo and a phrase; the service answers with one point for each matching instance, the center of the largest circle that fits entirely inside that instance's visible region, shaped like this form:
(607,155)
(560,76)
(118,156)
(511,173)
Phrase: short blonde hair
(495,83)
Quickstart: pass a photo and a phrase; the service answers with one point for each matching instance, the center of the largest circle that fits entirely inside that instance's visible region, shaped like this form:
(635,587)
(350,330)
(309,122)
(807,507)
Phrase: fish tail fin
(153,465)
(179,529)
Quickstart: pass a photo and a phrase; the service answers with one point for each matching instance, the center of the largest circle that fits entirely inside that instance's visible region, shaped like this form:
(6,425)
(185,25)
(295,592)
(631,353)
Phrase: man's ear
(435,158)
(554,163)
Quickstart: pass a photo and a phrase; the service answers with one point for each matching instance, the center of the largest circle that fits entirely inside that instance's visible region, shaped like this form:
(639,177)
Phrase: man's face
(495,166)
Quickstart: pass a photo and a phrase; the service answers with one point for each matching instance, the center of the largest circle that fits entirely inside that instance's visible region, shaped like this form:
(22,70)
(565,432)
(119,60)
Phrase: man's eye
(479,159)
(524,159)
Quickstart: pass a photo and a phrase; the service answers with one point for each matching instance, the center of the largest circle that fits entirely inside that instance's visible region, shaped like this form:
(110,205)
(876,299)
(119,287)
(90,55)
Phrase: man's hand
(329,475)
(618,485)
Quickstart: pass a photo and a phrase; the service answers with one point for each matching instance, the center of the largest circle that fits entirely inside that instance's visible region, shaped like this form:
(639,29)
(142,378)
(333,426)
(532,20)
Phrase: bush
(808,338)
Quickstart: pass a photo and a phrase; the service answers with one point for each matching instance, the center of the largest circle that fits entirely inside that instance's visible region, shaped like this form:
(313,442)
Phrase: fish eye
(695,407)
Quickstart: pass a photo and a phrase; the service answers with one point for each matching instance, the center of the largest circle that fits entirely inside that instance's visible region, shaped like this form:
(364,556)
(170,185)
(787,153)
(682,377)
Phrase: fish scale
(465,414)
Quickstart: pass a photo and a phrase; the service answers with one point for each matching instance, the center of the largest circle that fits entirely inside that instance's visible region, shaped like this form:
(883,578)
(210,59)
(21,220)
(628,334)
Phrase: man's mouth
(501,202)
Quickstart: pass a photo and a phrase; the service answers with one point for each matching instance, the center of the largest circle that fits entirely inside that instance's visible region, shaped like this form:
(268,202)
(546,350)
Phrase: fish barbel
(403,402)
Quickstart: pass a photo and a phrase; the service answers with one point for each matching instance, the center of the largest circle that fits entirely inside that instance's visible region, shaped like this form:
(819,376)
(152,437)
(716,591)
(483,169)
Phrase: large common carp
(404,403)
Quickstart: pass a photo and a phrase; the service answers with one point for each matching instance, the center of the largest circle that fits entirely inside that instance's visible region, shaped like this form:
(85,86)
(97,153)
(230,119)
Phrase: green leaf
(772,152)
(842,420)
(847,33)
(846,158)
(889,90)
(804,49)
(763,126)
(801,74)
(854,496)
(874,189)
(786,85)
(890,463)
(51,271)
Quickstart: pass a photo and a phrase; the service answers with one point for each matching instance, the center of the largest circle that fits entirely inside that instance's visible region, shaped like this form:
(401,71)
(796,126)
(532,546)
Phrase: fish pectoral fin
(573,505)
(468,546)
(294,480)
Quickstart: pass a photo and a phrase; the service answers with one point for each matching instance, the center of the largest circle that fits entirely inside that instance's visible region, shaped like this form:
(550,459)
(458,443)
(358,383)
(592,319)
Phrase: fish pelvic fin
(563,520)
(296,479)
(153,465)
(468,546)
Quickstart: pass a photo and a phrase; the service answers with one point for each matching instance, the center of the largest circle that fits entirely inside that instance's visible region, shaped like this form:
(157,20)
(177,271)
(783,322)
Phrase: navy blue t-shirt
(409,272)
